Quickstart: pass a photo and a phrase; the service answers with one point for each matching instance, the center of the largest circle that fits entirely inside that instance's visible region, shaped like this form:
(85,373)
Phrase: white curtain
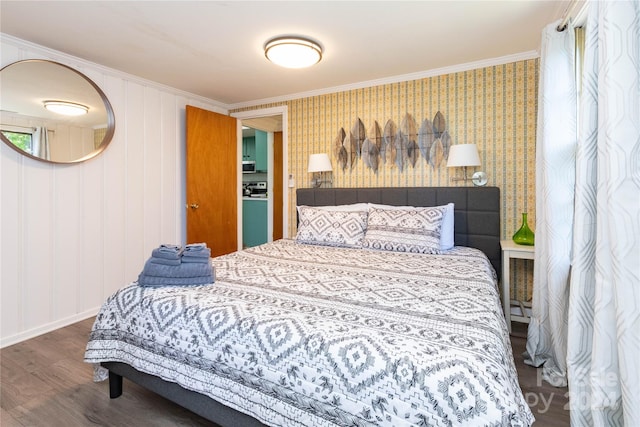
(555,181)
(40,143)
(604,307)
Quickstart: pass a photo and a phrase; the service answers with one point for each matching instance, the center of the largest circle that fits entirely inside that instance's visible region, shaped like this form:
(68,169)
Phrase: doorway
(273,121)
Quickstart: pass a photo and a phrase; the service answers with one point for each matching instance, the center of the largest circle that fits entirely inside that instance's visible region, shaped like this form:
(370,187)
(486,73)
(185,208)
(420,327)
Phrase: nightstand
(511,250)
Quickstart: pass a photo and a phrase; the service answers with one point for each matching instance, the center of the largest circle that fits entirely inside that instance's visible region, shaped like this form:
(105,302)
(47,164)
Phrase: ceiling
(215,48)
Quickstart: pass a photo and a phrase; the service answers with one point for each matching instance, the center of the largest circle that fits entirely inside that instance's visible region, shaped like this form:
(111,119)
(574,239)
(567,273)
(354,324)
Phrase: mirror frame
(111,122)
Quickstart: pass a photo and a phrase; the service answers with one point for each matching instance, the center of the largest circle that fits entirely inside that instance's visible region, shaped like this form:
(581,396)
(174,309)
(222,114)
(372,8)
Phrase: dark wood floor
(44,382)
(550,405)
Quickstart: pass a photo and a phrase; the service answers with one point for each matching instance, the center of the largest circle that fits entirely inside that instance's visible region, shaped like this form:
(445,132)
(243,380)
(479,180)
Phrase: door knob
(194,206)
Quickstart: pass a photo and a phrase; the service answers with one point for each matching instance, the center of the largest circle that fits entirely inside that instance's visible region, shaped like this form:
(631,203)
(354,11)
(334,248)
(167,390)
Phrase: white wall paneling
(70,235)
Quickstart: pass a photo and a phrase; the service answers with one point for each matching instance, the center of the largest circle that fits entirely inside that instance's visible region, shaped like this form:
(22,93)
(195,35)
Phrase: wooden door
(277,185)
(211,179)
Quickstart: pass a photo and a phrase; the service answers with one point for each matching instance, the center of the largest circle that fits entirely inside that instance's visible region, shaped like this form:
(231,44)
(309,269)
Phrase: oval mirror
(53,113)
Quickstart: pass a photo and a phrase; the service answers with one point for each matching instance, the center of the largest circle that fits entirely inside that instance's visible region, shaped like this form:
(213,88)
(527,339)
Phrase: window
(21,140)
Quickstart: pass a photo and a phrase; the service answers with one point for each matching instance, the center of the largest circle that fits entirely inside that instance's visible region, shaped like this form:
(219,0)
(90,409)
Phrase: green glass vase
(524,236)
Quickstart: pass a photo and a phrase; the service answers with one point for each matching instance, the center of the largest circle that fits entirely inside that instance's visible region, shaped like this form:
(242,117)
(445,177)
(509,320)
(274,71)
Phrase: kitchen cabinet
(261,150)
(254,221)
(255,148)
(249,148)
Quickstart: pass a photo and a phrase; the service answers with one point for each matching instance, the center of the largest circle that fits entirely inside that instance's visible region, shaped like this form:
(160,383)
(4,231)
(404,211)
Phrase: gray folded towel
(184,270)
(196,250)
(195,247)
(168,251)
(165,261)
(196,259)
(150,281)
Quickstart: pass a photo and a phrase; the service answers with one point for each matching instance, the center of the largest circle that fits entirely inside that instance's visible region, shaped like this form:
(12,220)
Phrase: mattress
(296,334)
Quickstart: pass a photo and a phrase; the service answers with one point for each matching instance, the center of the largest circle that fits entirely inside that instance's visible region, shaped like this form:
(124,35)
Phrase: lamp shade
(319,163)
(463,155)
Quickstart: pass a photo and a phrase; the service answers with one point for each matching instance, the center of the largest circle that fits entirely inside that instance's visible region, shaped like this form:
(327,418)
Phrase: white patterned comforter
(309,335)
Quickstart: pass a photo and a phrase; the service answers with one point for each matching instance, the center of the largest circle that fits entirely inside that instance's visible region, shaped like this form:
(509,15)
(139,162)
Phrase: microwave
(248,166)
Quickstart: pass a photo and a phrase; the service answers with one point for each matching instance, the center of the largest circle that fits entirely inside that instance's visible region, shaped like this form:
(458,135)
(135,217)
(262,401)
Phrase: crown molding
(523,56)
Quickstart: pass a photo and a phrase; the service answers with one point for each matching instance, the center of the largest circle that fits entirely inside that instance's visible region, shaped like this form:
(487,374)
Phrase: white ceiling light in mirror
(293,52)
(66,108)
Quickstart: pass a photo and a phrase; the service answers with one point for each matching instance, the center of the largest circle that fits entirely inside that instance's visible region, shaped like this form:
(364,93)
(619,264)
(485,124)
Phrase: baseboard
(32,333)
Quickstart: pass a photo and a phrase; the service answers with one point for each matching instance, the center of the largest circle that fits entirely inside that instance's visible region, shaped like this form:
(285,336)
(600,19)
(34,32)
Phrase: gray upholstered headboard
(477,209)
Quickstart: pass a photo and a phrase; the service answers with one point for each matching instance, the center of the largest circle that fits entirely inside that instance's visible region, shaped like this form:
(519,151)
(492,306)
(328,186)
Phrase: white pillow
(340,208)
(331,228)
(405,230)
(447,232)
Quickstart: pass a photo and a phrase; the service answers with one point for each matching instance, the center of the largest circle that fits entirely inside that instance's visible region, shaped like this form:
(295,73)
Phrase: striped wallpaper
(494,107)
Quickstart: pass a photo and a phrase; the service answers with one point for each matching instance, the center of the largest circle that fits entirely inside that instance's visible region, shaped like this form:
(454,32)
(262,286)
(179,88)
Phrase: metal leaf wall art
(439,124)
(426,137)
(371,148)
(401,151)
(409,130)
(339,151)
(393,145)
(358,136)
(437,154)
(389,142)
(352,150)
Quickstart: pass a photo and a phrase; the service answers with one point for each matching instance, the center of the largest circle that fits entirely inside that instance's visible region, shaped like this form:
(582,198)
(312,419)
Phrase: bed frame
(477,225)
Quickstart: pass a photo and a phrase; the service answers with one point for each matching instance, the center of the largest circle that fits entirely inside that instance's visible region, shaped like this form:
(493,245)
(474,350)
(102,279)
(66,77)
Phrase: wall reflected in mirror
(49,135)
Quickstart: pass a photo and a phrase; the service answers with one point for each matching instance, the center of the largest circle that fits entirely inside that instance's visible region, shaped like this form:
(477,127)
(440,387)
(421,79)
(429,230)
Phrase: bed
(308,333)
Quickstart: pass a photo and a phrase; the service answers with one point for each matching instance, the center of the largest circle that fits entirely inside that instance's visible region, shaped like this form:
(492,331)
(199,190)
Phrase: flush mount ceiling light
(293,52)
(66,108)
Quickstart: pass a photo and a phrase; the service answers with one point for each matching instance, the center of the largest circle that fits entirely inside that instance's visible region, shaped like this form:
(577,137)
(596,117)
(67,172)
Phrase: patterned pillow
(447,233)
(350,208)
(416,230)
(331,228)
